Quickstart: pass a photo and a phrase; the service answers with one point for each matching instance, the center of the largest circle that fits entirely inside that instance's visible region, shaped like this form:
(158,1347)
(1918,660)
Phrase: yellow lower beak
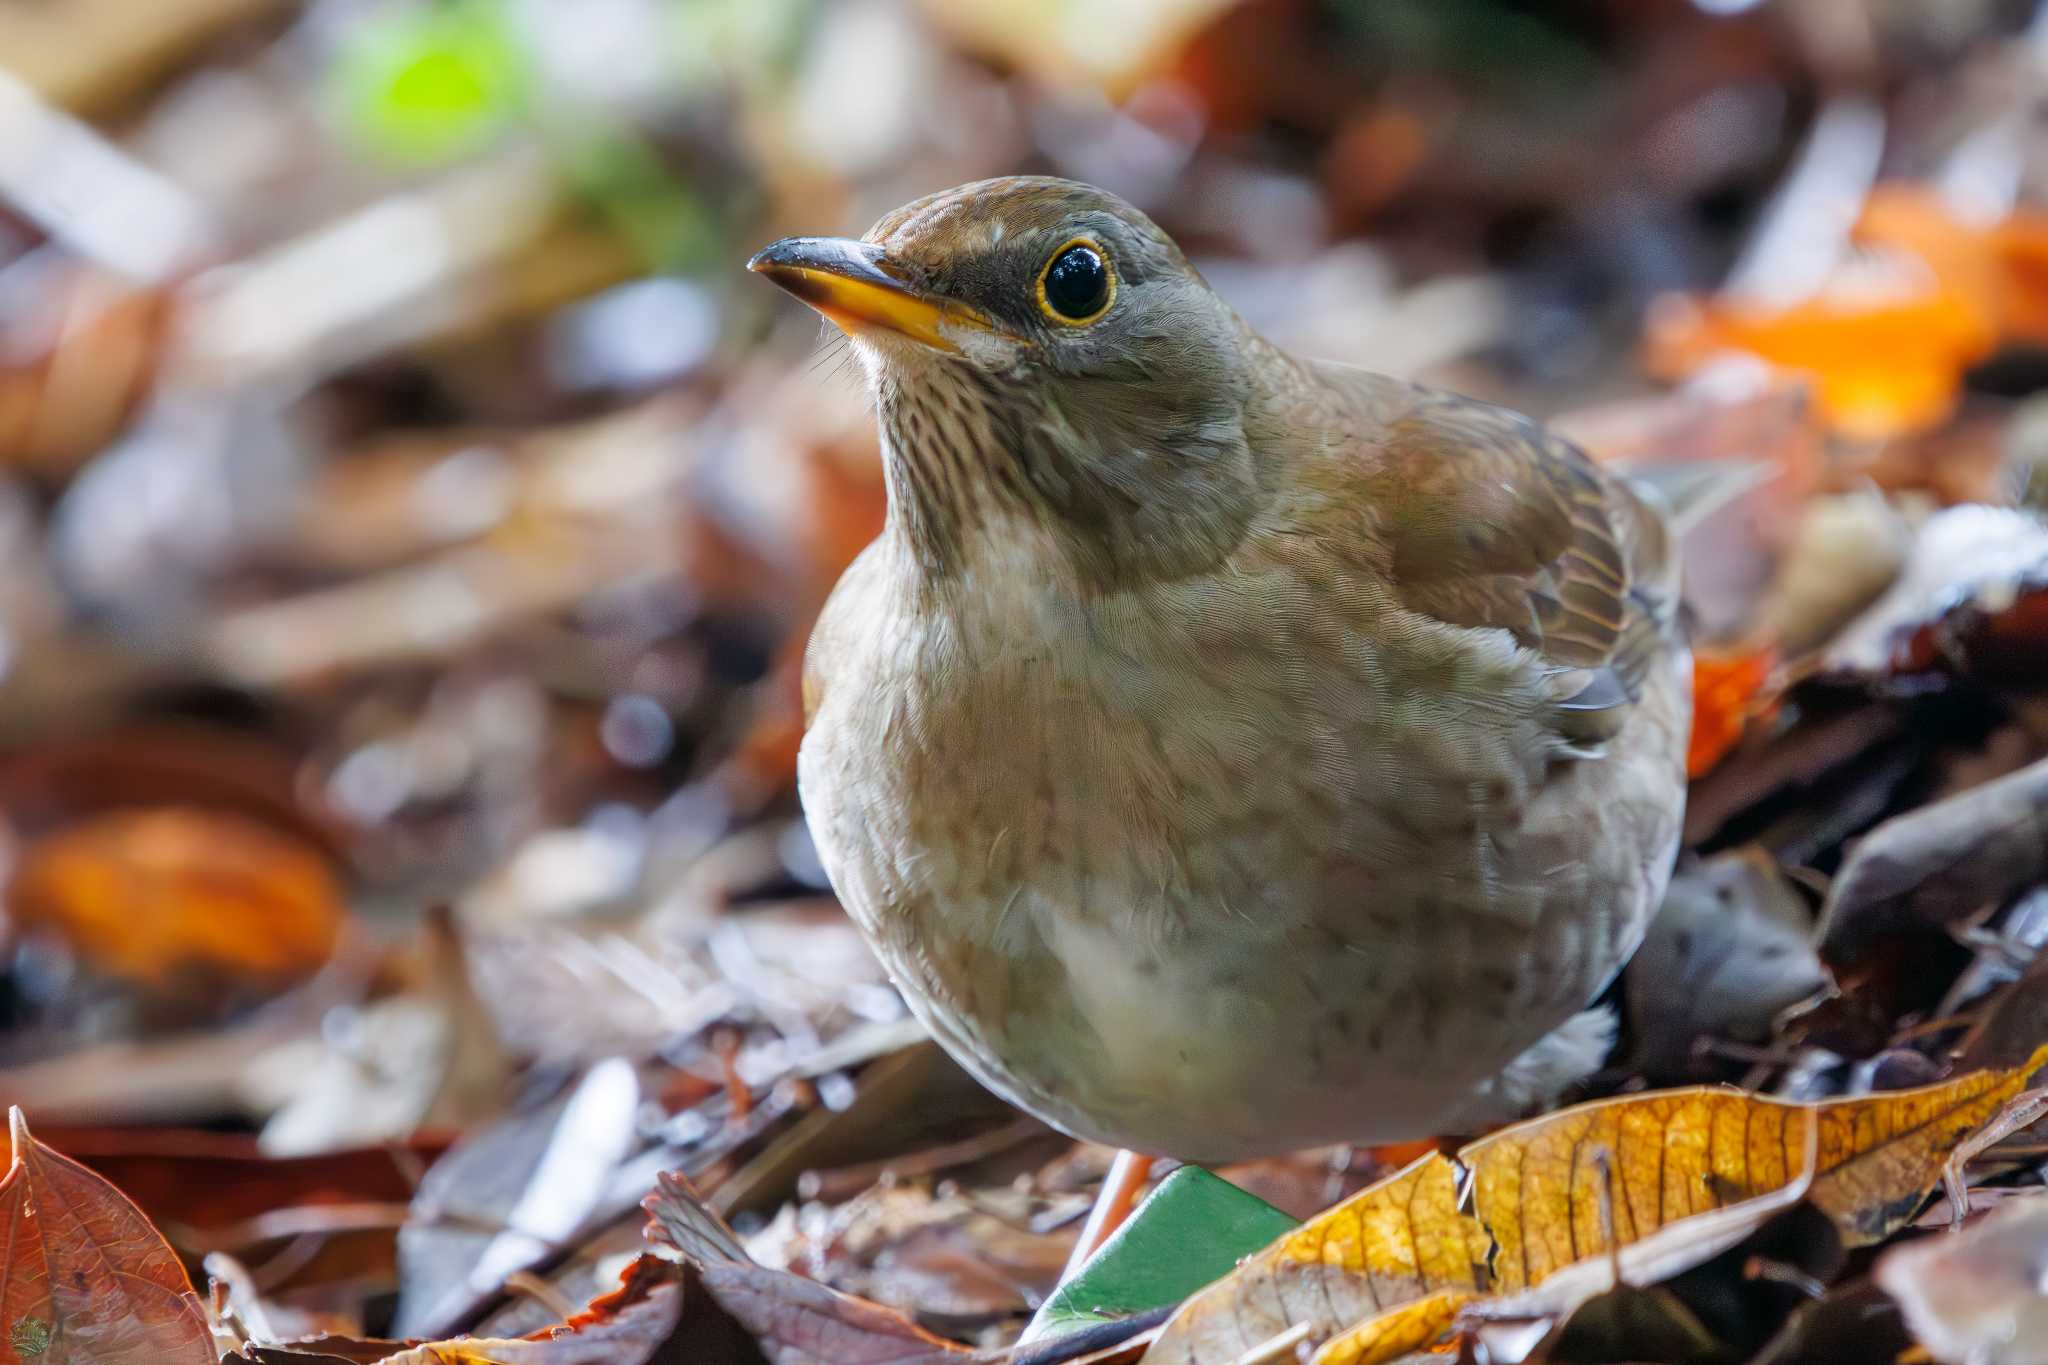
(850,282)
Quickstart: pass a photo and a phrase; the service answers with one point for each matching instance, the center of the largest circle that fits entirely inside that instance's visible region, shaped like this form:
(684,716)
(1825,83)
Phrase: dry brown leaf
(1054,39)
(1969,598)
(1941,865)
(511,1195)
(1731,946)
(1977,1298)
(1546,1194)
(159,895)
(1845,552)
(625,1327)
(1387,1246)
(795,1321)
(85,1279)
(428,1058)
(86,356)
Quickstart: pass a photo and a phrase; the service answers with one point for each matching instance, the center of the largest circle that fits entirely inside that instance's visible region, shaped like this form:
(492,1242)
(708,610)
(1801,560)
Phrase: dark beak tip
(768,257)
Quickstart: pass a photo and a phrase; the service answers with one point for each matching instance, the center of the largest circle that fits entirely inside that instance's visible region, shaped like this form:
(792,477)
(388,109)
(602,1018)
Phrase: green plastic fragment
(1190,1231)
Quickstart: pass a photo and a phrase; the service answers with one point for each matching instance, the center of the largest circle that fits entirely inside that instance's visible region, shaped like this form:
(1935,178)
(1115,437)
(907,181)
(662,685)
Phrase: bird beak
(854,285)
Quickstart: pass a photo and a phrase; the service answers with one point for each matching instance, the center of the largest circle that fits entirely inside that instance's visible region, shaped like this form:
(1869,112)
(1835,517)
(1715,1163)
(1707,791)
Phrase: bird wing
(1493,521)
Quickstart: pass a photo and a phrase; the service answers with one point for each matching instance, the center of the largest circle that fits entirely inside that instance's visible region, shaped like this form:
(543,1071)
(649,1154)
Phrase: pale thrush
(1225,752)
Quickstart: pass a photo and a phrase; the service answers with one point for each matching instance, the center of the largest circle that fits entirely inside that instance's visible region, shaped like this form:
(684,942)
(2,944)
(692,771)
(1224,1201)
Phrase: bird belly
(1194,907)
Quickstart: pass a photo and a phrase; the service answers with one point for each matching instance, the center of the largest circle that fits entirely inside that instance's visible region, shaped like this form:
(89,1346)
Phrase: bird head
(1041,353)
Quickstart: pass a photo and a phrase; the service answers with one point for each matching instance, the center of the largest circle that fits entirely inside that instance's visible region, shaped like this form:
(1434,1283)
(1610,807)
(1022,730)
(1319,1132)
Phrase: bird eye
(1076,285)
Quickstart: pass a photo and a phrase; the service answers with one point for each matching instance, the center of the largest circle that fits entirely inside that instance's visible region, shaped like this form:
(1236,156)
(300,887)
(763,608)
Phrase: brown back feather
(1492,521)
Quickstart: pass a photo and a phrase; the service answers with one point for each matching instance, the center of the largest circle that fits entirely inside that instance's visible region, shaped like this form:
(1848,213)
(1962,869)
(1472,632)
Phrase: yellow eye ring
(1087,283)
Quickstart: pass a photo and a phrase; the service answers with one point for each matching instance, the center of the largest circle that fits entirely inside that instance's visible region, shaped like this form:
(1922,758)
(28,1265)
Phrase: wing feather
(1493,521)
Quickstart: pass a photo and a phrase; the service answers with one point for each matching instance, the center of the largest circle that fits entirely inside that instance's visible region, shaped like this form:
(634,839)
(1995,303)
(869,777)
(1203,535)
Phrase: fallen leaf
(1729,688)
(1966,460)
(1969,598)
(631,1325)
(169,894)
(204,1180)
(86,1280)
(1396,1333)
(1845,552)
(1821,749)
(1723,1309)
(1051,39)
(1939,866)
(1977,1298)
(1627,1323)
(428,1058)
(625,1327)
(1852,1322)
(1731,946)
(1673,1176)
(513,1194)
(2001,265)
(1886,358)
(796,1321)
(84,352)
(1669,1250)
(1892,331)
(2011,1020)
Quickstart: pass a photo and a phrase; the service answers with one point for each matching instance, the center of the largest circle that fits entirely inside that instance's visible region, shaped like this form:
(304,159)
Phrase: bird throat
(953,464)
(969,456)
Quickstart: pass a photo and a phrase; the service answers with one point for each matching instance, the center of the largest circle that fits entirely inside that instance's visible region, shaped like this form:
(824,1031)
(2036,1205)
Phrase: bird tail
(1690,491)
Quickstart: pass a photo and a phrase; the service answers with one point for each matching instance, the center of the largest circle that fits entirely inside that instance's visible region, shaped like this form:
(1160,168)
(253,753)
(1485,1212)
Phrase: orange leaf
(86,1280)
(1886,361)
(153,895)
(1881,366)
(2001,266)
(1727,689)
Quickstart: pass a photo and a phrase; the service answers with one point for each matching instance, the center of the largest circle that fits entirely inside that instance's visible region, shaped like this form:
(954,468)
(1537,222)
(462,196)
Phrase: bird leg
(1119,1195)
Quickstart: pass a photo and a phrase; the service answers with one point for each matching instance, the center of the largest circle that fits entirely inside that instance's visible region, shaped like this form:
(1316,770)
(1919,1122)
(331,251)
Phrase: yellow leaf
(1879,1156)
(1553,1192)
(1391,1335)
(1538,1187)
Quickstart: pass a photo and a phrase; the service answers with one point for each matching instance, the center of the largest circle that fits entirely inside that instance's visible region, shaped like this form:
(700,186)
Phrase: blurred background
(411,512)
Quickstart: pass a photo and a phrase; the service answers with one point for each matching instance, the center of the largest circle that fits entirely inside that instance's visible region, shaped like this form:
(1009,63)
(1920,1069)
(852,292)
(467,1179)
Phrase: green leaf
(428,83)
(1189,1232)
